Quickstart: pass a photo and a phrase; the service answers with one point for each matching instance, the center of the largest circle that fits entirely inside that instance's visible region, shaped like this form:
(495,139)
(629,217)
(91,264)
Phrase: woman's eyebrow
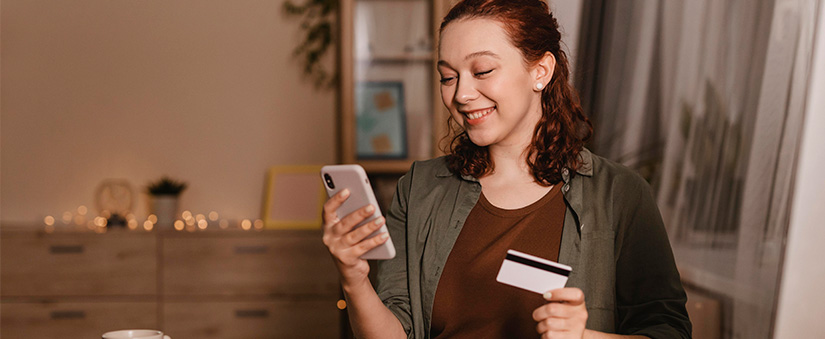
(481,53)
(470,56)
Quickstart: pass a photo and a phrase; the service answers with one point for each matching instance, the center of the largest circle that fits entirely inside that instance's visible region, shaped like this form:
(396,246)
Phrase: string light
(189,222)
(342,304)
(67,217)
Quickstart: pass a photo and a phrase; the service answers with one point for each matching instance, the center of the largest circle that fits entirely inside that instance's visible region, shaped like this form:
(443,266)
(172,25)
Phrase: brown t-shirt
(469,302)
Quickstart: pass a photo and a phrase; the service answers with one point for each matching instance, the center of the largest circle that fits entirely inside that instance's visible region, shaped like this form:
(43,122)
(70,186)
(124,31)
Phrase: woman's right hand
(347,245)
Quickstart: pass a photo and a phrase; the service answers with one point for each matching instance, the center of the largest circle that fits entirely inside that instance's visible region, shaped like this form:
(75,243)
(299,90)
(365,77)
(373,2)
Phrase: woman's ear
(543,70)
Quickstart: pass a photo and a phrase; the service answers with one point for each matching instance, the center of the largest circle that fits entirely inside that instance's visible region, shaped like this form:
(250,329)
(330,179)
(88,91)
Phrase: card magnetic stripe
(536,264)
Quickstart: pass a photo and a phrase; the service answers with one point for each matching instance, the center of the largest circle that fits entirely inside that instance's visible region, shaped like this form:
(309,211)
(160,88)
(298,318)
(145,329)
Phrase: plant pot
(165,207)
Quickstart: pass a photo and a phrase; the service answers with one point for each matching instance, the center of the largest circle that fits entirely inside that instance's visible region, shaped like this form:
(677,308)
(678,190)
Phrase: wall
(206,91)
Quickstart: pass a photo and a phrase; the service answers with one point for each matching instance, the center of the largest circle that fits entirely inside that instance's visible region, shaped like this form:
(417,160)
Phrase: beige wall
(203,90)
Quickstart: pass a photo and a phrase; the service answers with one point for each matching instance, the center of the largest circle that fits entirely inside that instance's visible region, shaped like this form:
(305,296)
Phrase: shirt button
(565,172)
(565,188)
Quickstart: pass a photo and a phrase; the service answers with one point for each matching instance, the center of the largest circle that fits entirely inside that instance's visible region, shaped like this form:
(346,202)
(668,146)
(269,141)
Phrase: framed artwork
(294,198)
(381,131)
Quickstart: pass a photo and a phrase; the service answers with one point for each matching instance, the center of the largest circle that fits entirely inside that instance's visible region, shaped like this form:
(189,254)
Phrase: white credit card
(532,273)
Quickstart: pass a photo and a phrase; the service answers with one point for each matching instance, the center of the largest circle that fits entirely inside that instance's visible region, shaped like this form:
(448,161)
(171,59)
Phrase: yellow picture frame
(294,197)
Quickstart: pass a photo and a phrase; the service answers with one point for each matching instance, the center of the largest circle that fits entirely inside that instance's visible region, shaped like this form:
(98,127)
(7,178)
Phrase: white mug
(135,334)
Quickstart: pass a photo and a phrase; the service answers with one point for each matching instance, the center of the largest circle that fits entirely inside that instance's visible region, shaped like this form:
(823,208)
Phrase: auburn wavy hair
(563,129)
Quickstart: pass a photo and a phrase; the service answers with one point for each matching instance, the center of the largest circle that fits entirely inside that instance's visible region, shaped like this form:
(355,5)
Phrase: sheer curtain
(705,99)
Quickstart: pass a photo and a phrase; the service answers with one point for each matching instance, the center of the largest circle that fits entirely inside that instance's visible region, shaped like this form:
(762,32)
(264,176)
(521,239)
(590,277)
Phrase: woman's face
(486,85)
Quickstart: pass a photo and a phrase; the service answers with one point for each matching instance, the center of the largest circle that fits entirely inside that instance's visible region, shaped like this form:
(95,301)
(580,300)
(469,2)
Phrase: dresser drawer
(74,320)
(36,264)
(266,263)
(250,320)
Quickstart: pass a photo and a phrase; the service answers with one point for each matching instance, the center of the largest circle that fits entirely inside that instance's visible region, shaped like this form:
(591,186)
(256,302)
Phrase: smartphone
(353,177)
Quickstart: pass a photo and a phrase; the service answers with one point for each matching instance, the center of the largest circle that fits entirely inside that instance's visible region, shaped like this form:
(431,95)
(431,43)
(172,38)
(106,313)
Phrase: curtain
(705,99)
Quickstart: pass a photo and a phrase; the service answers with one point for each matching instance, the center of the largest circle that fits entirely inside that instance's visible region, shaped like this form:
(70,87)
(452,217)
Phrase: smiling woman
(516,177)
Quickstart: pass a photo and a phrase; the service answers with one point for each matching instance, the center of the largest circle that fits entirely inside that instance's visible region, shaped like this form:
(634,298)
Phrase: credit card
(532,273)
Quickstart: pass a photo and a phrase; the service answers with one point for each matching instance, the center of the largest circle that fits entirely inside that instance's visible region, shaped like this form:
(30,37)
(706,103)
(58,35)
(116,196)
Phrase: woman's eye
(446,80)
(478,74)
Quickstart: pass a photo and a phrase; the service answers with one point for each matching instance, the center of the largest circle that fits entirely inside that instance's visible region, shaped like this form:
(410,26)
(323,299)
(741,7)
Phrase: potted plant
(164,196)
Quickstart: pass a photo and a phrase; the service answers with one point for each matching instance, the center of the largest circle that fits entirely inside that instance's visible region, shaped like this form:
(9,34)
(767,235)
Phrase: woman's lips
(478,116)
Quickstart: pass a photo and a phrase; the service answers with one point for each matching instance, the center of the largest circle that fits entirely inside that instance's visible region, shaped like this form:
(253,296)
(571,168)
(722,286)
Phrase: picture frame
(380,119)
(294,197)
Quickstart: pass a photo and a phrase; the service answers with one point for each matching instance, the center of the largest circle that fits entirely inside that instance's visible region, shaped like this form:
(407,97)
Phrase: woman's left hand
(564,315)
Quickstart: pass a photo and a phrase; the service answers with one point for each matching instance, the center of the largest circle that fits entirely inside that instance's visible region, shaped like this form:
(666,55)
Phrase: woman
(516,177)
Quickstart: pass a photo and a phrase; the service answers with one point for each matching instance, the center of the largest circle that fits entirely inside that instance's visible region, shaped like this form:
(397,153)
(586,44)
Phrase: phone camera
(328,180)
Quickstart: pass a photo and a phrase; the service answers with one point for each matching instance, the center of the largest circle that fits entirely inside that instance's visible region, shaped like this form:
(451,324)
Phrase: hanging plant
(317,22)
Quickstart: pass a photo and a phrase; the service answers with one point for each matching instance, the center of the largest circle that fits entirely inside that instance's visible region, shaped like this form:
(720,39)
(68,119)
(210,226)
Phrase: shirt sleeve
(391,277)
(649,294)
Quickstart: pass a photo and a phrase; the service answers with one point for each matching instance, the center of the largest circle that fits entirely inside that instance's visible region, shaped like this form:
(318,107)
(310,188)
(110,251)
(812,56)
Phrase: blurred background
(717,103)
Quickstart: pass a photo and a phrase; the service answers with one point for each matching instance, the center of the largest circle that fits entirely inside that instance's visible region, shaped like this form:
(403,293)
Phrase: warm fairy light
(186,214)
(148,225)
(190,222)
(49,228)
(67,217)
(179,225)
(259,224)
(213,216)
(100,222)
(200,217)
(133,224)
(153,218)
(49,220)
(82,210)
(202,224)
(223,223)
(191,228)
(246,224)
(342,304)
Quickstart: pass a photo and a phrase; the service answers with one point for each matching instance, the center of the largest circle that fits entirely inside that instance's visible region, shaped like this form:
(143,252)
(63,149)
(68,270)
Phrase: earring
(539,86)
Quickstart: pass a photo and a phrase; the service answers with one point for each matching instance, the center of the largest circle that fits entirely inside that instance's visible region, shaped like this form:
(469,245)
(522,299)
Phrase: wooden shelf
(414,69)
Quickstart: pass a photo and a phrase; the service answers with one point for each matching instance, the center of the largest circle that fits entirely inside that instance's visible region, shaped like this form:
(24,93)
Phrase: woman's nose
(465,92)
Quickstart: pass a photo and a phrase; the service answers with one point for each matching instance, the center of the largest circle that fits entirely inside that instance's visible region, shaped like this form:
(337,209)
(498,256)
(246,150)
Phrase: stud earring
(539,86)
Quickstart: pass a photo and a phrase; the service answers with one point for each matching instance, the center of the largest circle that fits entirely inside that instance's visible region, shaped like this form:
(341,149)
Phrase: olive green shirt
(613,237)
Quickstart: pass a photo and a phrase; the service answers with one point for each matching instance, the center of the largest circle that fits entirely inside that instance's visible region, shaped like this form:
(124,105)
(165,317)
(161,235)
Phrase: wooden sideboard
(207,284)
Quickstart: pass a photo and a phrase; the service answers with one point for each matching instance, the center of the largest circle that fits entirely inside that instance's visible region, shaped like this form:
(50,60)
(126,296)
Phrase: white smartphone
(354,178)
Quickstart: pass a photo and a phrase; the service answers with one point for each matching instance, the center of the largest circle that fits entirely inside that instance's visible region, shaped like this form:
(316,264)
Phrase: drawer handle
(251,249)
(251,313)
(55,315)
(66,249)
